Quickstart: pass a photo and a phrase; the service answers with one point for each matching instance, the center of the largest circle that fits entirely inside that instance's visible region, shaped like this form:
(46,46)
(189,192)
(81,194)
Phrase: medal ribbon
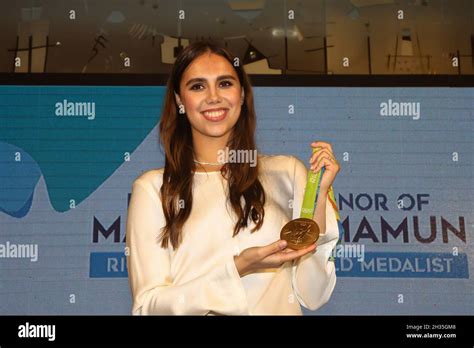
(311,192)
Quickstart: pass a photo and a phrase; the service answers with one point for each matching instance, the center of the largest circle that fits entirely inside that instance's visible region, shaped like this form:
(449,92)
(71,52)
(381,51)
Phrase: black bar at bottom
(136,330)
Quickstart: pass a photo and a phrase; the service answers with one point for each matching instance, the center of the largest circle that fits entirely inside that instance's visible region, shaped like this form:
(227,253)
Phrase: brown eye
(227,82)
(196,85)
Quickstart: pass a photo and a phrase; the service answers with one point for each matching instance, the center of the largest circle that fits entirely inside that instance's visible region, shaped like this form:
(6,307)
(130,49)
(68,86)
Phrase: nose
(213,95)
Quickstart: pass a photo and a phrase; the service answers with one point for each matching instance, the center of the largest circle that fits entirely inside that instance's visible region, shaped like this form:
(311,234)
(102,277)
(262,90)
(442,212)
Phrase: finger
(328,164)
(322,161)
(272,248)
(322,144)
(317,155)
(286,250)
(297,253)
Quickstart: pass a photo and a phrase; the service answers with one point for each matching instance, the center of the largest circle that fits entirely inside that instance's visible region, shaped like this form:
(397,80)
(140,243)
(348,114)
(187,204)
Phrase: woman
(202,232)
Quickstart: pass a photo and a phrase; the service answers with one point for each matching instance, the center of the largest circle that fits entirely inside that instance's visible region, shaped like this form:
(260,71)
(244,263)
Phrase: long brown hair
(176,139)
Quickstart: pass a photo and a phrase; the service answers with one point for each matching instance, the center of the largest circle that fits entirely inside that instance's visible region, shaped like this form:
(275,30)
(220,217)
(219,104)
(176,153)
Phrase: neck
(206,149)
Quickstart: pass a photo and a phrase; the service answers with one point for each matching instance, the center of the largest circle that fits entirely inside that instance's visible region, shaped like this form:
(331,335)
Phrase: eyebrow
(201,79)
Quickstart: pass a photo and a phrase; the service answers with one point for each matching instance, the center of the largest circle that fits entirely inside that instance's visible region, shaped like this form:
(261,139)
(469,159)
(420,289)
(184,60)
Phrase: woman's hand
(324,157)
(268,256)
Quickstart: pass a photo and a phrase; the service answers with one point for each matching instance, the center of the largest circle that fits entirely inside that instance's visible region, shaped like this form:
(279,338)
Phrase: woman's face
(211,94)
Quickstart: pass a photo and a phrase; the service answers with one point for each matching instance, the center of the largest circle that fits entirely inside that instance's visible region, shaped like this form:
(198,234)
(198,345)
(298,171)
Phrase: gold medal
(300,233)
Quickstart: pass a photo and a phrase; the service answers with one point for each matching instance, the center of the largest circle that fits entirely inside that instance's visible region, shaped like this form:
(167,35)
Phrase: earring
(181,109)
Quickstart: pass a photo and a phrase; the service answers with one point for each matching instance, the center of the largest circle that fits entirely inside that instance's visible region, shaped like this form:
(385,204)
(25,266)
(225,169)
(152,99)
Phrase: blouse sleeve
(313,275)
(153,291)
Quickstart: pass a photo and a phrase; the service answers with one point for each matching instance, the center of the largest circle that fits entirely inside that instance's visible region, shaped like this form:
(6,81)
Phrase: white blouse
(200,277)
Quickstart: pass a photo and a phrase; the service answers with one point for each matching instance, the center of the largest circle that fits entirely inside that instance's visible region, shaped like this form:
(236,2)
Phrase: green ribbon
(311,192)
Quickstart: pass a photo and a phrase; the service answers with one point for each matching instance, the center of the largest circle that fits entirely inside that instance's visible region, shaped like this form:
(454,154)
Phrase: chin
(215,134)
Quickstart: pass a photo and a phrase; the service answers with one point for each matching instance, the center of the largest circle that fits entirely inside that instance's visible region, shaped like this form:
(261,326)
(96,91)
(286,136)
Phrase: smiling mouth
(215,115)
